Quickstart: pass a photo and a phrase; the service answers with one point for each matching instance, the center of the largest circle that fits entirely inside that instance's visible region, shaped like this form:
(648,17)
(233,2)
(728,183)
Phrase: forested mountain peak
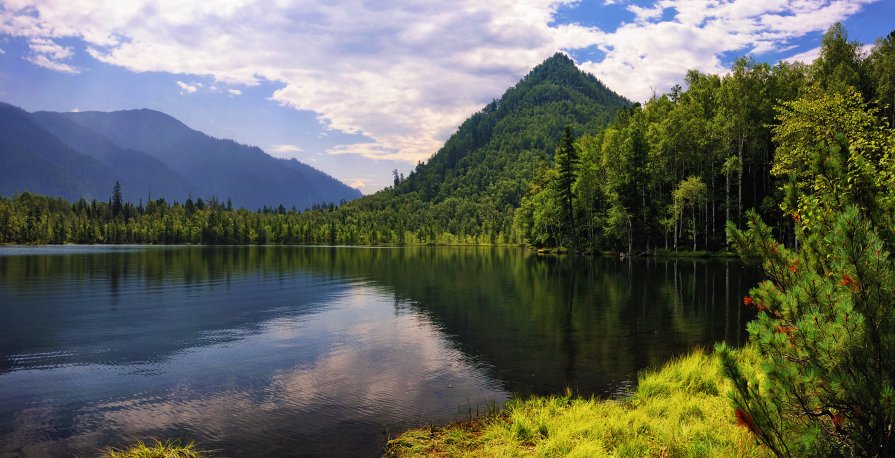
(521,129)
(472,184)
(561,69)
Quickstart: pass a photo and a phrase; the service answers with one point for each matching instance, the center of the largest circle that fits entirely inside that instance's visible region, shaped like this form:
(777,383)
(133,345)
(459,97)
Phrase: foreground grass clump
(681,409)
(159,449)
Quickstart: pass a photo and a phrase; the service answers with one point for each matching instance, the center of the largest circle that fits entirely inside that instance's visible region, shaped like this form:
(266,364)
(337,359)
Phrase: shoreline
(678,409)
(699,254)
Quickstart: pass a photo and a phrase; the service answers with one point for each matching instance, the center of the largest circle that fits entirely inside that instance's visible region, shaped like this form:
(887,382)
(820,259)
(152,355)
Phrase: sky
(358,88)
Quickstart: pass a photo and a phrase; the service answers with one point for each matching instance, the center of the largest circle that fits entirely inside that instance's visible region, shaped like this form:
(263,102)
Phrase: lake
(327,351)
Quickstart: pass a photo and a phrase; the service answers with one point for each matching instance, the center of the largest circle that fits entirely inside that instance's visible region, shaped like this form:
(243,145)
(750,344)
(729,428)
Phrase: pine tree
(566,159)
(825,332)
(116,199)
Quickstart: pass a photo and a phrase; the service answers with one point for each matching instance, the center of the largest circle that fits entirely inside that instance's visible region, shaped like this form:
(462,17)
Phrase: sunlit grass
(681,409)
(158,449)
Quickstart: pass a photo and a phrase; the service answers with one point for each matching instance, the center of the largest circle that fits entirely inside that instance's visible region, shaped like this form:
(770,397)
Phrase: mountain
(32,159)
(224,168)
(467,191)
(501,144)
(138,172)
(317,179)
(74,155)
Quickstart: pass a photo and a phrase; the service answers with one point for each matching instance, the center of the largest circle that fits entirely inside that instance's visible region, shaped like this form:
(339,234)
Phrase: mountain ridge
(152,154)
(29,151)
(247,174)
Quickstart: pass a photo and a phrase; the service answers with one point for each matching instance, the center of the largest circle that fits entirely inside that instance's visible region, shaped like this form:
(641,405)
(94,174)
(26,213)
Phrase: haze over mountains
(82,154)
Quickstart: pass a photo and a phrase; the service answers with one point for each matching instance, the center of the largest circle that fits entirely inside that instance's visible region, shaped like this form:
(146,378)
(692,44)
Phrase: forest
(672,173)
(559,161)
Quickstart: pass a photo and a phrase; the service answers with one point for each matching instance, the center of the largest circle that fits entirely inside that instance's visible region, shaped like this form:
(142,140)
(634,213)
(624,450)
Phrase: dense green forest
(671,173)
(30,218)
(558,161)
(824,384)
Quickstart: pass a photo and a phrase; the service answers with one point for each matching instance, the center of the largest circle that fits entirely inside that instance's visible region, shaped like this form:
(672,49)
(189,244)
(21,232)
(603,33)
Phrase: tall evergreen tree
(116,199)
(566,159)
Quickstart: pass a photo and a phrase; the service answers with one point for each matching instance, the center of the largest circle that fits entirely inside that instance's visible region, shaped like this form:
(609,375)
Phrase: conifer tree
(116,199)
(825,332)
(566,159)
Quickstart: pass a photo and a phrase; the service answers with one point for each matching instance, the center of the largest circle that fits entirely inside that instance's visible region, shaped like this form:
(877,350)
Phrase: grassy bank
(681,409)
(158,449)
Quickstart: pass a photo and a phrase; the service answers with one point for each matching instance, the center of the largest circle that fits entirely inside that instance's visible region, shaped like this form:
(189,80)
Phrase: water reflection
(312,351)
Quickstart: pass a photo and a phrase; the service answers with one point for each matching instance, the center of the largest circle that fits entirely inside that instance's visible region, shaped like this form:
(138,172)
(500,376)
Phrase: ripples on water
(325,351)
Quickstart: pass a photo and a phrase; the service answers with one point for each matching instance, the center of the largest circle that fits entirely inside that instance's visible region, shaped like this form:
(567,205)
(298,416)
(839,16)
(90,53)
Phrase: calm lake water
(298,351)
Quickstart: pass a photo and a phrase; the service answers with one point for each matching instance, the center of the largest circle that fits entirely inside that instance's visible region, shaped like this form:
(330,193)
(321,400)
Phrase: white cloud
(48,54)
(805,56)
(75,110)
(188,88)
(358,183)
(653,53)
(808,56)
(286,151)
(234,91)
(43,61)
(402,73)
(2,52)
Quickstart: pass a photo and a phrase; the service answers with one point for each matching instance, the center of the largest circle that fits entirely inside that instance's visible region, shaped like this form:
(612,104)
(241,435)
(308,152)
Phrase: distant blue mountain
(224,168)
(32,159)
(75,155)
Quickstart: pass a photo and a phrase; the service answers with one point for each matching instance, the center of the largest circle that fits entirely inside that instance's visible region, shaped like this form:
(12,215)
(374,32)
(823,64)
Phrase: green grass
(679,410)
(158,449)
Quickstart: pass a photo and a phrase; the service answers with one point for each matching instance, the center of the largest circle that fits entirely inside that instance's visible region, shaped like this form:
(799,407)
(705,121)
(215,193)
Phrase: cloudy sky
(357,88)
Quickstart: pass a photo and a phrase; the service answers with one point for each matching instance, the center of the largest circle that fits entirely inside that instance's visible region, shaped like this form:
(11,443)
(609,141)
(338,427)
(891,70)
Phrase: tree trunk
(694,227)
(676,231)
(727,197)
(740,199)
(705,221)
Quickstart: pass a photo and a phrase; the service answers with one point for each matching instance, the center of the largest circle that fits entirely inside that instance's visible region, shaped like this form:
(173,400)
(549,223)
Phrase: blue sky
(357,88)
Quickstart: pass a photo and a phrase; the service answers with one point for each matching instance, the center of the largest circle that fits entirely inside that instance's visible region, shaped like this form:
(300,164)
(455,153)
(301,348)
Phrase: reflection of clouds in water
(354,363)
(382,359)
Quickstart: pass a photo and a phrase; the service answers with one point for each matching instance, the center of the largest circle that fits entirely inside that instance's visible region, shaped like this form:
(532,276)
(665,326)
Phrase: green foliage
(839,66)
(716,130)
(881,73)
(689,193)
(468,191)
(677,410)
(31,219)
(824,334)
(722,130)
(159,449)
(566,159)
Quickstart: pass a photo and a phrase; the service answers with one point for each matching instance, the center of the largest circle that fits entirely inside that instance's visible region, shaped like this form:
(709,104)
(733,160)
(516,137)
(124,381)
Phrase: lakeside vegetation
(158,449)
(681,409)
(818,375)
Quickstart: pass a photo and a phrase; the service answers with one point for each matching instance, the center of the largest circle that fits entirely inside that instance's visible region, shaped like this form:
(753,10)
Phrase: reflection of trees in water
(546,322)
(539,322)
